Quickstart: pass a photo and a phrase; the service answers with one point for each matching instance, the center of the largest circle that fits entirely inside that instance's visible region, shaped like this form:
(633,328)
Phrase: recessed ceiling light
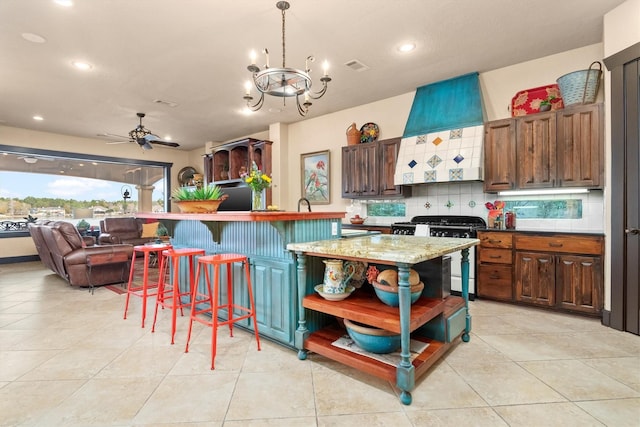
(84,66)
(33,38)
(275,110)
(406,47)
(167,137)
(65,3)
(38,118)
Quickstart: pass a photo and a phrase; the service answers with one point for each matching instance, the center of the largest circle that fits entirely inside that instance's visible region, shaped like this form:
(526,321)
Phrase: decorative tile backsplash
(568,213)
(386,209)
(449,155)
(545,209)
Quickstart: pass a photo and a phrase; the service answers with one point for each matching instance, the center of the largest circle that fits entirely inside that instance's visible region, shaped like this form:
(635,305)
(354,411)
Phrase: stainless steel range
(447,226)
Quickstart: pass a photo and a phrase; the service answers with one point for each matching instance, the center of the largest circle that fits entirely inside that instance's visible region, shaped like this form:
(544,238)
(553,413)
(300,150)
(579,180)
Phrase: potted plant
(205,199)
(162,233)
(83,226)
(545,104)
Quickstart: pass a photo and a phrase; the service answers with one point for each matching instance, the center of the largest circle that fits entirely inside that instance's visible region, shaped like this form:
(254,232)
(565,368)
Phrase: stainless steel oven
(448,226)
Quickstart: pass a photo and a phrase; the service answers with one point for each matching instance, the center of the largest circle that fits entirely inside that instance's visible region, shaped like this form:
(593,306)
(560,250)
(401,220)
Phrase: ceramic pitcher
(335,278)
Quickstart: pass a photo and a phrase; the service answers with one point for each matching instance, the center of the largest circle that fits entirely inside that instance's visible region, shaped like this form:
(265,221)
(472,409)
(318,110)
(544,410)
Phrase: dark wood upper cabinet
(499,155)
(546,150)
(536,151)
(581,146)
(226,163)
(368,170)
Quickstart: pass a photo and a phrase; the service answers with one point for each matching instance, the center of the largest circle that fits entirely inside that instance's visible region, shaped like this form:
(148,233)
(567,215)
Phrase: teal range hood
(442,140)
(447,104)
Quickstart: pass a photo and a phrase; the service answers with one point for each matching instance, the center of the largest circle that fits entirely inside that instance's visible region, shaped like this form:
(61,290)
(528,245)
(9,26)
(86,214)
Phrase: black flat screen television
(239,199)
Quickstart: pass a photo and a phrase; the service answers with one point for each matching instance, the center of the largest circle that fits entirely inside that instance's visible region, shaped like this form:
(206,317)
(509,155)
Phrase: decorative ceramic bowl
(333,297)
(373,340)
(389,294)
(355,220)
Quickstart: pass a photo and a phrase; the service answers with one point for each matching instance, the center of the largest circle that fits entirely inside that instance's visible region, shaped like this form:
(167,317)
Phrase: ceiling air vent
(167,103)
(356,65)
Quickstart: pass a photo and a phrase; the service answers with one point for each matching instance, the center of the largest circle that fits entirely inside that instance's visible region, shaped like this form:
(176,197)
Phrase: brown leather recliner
(63,250)
(123,230)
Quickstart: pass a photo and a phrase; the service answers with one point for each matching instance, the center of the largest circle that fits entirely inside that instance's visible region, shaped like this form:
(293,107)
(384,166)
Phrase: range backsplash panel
(444,156)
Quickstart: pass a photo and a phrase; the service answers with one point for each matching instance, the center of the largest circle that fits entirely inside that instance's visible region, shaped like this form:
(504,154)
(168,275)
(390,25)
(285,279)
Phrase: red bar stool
(211,297)
(142,290)
(170,295)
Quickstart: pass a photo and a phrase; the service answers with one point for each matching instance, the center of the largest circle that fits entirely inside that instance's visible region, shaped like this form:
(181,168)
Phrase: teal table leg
(405,372)
(465,292)
(302,332)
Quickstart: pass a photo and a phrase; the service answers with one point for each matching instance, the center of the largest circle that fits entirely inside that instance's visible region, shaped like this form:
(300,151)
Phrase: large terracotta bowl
(199,206)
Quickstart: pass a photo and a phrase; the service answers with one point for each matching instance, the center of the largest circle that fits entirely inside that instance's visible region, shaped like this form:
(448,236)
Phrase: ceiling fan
(143,137)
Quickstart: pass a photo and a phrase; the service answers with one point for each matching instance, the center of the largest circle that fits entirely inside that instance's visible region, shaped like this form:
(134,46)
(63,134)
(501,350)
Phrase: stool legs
(212,298)
(174,287)
(143,290)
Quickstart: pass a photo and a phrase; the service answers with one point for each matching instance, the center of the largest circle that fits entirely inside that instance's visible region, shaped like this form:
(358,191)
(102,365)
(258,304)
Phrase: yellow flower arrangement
(255,179)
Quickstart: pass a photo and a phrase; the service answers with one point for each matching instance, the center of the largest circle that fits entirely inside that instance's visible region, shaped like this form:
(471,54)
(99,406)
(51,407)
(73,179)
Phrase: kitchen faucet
(304,200)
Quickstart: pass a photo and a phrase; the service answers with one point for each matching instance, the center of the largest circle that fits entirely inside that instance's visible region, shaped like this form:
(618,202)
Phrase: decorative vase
(335,277)
(257,201)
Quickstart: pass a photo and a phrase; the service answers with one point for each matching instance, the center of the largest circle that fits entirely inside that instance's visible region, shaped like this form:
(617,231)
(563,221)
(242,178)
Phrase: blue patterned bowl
(389,294)
(373,340)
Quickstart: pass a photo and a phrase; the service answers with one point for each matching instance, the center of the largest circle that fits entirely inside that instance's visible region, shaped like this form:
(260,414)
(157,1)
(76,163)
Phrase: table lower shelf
(320,342)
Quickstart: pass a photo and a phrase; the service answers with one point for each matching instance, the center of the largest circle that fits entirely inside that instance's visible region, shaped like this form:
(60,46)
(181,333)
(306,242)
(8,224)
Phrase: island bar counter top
(391,249)
(241,216)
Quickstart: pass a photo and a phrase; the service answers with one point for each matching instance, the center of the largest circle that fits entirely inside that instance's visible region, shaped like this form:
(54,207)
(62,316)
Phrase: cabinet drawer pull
(494,276)
(495,256)
(494,241)
(555,245)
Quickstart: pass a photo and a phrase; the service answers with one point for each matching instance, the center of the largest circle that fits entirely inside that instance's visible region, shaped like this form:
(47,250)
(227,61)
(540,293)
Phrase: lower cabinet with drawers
(554,270)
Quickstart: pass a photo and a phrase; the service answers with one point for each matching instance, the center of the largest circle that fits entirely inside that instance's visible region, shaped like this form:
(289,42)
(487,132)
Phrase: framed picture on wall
(316,186)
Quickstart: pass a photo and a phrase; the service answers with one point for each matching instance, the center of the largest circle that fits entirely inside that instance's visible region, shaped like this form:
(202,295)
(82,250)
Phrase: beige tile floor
(67,358)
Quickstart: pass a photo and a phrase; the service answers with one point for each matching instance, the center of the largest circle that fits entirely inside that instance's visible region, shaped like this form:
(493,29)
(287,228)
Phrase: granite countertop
(385,248)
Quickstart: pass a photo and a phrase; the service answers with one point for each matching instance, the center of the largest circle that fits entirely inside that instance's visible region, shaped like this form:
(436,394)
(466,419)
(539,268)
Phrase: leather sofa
(63,250)
(124,230)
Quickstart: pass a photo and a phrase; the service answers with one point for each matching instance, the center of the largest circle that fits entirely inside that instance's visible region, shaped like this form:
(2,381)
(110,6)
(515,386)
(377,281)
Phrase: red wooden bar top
(241,216)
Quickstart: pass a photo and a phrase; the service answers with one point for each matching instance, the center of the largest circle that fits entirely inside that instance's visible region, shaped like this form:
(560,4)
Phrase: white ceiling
(195,53)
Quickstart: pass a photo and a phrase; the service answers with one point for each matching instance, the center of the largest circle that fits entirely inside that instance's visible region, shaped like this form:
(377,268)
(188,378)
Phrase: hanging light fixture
(284,82)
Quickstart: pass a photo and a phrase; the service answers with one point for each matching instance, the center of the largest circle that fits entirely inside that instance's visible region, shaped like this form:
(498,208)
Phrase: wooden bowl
(357,220)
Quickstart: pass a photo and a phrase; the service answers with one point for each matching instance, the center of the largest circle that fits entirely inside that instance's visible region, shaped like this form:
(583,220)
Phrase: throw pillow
(149,230)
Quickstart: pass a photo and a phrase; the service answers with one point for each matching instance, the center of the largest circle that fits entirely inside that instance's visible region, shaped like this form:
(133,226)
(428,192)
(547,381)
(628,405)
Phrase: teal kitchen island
(263,238)
(436,318)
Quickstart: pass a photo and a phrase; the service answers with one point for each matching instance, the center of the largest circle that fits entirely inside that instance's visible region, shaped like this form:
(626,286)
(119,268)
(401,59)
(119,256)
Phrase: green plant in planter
(207,192)
(545,104)
(162,230)
(30,218)
(83,225)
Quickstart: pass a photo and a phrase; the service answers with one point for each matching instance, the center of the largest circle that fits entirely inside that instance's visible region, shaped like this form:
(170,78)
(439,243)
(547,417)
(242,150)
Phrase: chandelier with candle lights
(284,82)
